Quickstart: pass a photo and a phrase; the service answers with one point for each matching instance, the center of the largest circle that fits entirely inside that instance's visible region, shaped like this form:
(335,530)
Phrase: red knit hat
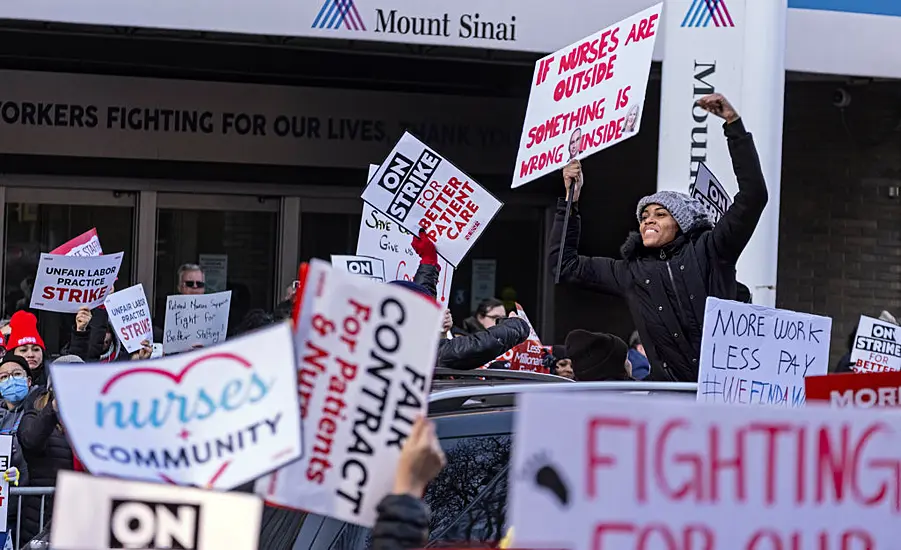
(24,328)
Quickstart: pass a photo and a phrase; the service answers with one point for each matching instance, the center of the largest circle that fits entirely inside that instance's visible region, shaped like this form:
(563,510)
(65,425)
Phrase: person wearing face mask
(678,258)
(25,341)
(15,385)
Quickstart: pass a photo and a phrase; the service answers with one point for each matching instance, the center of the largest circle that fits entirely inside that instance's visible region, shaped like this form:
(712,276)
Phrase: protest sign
(863,391)
(756,355)
(213,418)
(418,188)
(129,314)
(711,193)
(527,356)
(193,320)
(86,244)
(93,512)
(6,453)
(638,473)
(65,284)
(363,266)
(877,346)
(365,355)
(380,237)
(587,96)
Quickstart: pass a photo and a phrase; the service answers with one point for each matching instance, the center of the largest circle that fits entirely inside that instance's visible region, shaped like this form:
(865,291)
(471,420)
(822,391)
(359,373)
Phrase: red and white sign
(637,473)
(129,314)
(877,346)
(381,237)
(587,96)
(365,355)
(67,283)
(86,244)
(862,391)
(529,355)
(215,418)
(418,188)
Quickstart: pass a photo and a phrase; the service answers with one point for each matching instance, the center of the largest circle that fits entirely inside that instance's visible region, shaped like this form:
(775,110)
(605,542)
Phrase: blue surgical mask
(14,390)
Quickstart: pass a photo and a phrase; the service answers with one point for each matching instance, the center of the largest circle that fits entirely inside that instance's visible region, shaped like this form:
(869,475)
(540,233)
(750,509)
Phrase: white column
(763,106)
(737,48)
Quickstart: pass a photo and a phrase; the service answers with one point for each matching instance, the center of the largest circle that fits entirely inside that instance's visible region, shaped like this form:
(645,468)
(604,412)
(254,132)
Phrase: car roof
(459,391)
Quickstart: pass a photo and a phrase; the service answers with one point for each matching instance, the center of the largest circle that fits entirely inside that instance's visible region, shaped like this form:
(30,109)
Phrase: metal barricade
(42,492)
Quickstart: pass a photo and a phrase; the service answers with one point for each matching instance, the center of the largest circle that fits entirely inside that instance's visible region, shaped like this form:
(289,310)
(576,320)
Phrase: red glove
(424,246)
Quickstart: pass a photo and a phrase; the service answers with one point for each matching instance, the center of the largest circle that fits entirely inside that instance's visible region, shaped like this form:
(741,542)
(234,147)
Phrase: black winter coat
(46,451)
(402,523)
(89,344)
(666,288)
(471,351)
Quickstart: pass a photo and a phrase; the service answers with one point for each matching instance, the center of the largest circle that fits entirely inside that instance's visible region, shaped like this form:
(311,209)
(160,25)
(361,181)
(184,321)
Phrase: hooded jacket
(471,351)
(88,344)
(666,288)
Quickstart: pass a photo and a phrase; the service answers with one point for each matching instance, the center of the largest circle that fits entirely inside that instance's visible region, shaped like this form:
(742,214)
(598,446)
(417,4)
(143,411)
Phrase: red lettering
(737,463)
(47,294)
(771,432)
(594,460)
(663,462)
(614,528)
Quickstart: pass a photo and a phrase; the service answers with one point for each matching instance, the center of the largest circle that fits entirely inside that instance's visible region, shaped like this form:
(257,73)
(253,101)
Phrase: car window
(468,499)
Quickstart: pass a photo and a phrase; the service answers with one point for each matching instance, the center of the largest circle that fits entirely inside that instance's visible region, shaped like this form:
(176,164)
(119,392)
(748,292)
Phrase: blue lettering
(139,413)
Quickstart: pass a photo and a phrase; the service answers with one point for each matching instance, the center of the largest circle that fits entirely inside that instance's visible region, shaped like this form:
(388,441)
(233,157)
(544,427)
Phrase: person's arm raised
(734,230)
(594,272)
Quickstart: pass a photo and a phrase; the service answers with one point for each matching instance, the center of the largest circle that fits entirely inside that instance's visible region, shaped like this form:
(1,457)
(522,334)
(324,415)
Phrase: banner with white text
(86,244)
(93,512)
(877,346)
(381,237)
(587,96)
(641,473)
(419,189)
(212,418)
(757,355)
(65,284)
(365,356)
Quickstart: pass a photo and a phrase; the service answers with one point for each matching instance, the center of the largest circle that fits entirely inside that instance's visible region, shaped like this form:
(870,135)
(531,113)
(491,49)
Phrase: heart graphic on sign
(177,378)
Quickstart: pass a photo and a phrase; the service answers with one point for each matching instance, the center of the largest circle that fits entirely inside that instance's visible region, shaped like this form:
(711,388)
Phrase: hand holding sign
(572,173)
(421,459)
(717,104)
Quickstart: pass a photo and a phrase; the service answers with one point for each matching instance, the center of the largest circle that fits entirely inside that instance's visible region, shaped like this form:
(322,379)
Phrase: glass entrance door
(39,220)
(233,238)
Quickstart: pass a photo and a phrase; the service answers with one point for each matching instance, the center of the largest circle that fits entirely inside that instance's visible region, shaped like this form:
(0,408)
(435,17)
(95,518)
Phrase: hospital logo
(337,14)
(703,13)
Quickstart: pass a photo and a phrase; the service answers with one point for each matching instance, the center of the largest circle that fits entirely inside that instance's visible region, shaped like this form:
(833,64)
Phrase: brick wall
(840,232)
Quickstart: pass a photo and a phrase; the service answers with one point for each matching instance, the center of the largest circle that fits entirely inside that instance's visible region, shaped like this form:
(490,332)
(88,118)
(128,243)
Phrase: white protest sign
(757,355)
(380,237)
(418,188)
(129,314)
(65,284)
(94,512)
(86,244)
(6,454)
(877,346)
(656,473)
(587,96)
(363,266)
(212,418)
(365,355)
(191,320)
(711,193)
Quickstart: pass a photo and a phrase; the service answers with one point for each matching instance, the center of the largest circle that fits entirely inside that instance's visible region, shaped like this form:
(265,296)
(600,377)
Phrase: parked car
(473,414)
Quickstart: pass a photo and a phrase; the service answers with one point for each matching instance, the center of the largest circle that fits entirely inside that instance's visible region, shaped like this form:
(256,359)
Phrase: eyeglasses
(496,318)
(194,284)
(18,375)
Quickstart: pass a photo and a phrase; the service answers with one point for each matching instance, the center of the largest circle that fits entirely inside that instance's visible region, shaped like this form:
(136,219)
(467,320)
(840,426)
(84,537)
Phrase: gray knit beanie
(688,212)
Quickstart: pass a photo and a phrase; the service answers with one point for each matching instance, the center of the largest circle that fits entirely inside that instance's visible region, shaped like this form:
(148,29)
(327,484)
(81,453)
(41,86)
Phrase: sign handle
(569,207)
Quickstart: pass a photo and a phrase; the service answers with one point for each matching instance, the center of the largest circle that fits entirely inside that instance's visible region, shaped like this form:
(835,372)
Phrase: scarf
(113,352)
